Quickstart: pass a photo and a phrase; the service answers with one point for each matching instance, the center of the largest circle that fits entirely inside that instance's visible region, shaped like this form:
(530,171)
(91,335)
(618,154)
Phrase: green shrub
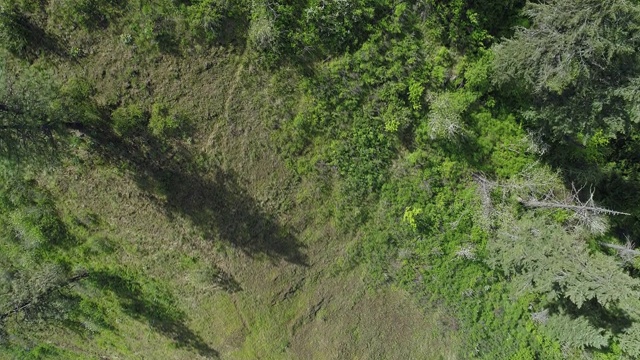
(262,33)
(205,18)
(162,121)
(14,30)
(128,119)
(155,28)
(76,102)
(336,26)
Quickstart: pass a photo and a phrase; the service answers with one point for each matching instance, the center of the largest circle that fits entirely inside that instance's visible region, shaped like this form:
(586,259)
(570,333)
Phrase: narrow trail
(232,86)
(245,326)
(234,83)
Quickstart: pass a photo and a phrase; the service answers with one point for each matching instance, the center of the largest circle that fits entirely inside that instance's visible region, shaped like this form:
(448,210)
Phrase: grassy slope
(290,298)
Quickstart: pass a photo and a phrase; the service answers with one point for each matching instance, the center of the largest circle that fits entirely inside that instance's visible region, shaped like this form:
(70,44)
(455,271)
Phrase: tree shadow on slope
(221,208)
(210,197)
(155,308)
(27,39)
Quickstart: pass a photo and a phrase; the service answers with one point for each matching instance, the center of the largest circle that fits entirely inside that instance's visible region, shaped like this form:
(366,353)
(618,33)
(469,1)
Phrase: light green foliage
(630,340)
(163,122)
(416,89)
(577,333)
(206,17)
(362,159)
(504,147)
(368,110)
(445,119)
(596,148)
(409,217)
(478,71)
(128,120)
(262,33)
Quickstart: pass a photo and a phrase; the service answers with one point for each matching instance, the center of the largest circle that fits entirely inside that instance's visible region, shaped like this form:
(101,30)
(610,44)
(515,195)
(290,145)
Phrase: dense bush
(162,121)
(128,120)
(206,18)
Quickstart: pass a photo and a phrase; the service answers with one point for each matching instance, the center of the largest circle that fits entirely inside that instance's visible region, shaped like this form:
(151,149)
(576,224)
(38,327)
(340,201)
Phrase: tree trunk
(553,205)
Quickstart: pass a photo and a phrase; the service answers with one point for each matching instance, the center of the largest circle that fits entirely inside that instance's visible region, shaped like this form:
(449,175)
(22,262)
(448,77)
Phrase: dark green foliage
(75,105)
(335,26)
(173,27)
(15,32)
(162,121)
(320,28)
(128,120)
(37,112)
(88,14)
(154,29)
(44,351)
(469,24)
(579,64)
(576,333)
(206,18)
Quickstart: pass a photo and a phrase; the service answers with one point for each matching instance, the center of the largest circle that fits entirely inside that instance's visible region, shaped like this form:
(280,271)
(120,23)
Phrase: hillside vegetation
(274,179)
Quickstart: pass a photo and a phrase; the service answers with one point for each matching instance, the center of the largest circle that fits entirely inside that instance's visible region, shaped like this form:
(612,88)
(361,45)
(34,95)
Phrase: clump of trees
(577,65)
(407,119)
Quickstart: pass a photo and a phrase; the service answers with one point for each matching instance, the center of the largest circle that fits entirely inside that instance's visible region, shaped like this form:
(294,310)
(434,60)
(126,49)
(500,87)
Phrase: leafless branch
(581,207)
(626,252)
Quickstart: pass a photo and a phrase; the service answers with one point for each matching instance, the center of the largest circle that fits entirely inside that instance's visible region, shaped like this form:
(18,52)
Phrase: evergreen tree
(578,65)
(589,298)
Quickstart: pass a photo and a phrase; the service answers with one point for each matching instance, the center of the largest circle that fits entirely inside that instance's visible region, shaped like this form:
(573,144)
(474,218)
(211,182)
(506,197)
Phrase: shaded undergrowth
(158,311)
(612,174)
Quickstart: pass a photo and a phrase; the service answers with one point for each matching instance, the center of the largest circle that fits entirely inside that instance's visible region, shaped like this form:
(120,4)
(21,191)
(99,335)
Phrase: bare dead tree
(626,252)
(485,186)
(580,207)
(586,213)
